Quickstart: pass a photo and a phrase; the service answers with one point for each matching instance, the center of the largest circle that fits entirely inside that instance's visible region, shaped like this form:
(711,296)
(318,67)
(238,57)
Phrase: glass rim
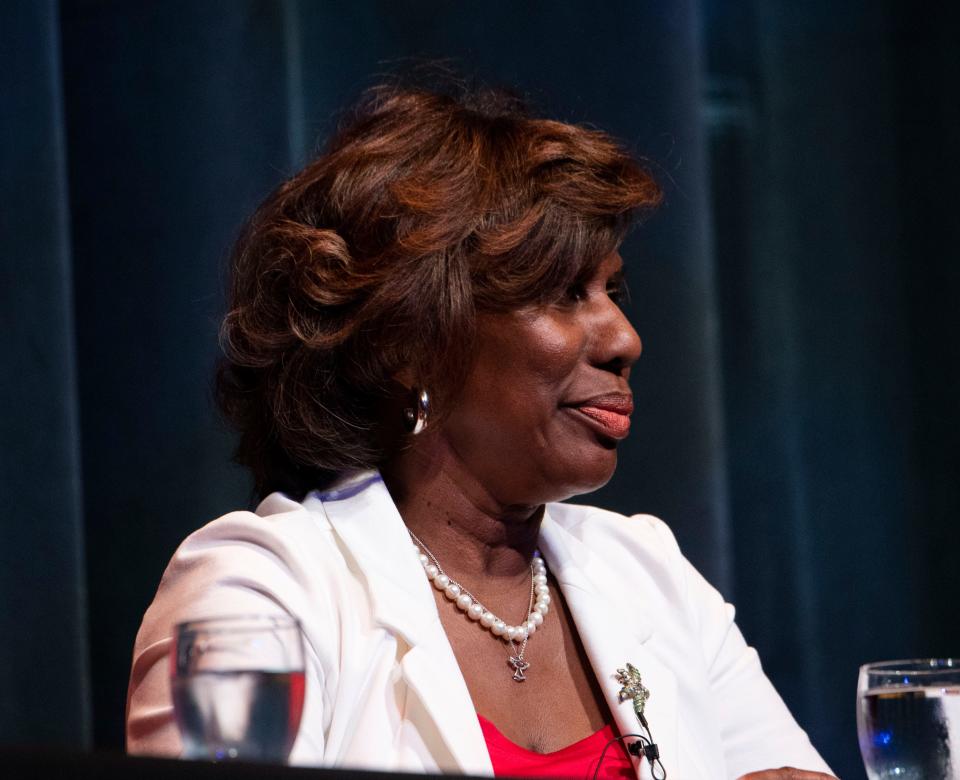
(238,624)
(916,666)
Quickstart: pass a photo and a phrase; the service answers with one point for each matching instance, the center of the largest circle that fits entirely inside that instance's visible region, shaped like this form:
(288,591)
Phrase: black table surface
(23,763)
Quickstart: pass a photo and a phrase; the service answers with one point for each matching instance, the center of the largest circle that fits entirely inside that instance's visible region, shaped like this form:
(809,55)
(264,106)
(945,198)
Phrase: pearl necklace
(466,602)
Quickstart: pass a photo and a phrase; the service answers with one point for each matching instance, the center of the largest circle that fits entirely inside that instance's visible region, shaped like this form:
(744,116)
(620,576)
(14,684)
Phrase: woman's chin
(587,475)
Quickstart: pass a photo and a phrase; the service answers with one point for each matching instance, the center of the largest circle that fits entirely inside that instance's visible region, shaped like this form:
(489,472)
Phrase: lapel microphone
(649,749)
(634,690)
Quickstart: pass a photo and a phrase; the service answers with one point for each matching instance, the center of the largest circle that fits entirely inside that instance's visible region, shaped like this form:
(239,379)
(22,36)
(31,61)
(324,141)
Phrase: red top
(578,760)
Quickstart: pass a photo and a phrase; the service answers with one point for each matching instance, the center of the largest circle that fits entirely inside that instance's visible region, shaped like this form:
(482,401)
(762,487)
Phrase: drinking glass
(908,719)
(238,686)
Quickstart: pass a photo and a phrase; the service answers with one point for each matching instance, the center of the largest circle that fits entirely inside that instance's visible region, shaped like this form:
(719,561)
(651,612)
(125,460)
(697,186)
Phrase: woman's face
(547,399)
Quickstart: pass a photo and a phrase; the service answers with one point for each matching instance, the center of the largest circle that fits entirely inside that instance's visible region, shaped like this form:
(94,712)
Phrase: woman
(425,352)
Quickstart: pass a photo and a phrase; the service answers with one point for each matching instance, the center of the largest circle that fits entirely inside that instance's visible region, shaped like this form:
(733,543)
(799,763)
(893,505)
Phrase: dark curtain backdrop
(798,297)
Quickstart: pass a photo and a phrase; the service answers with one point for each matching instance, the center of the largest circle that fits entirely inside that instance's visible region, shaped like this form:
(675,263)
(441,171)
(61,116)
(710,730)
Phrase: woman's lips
(611,413)
(617,425)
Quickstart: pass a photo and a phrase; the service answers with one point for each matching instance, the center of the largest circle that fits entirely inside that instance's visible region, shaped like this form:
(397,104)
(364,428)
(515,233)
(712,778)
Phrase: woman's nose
(618,345)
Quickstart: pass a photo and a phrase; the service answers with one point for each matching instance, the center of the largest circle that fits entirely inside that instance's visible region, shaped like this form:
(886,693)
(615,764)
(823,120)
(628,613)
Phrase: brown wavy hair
(425,208)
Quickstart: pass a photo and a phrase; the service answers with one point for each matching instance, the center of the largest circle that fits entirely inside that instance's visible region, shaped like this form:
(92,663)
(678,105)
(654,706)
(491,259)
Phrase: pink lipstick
(610,413)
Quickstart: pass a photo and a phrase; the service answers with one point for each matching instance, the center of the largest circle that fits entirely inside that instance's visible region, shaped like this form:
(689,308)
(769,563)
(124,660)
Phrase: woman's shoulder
(599,525)
(247,561)
(277,519)
(279,533)
(638,549)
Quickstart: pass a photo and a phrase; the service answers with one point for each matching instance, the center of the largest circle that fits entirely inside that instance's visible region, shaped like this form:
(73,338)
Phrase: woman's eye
(617,292)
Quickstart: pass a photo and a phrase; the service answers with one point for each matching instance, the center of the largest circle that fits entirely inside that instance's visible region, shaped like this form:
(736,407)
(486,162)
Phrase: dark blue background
(798,297)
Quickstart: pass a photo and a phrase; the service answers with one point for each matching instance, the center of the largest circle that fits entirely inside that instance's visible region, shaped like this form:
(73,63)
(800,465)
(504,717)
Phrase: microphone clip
(650,751)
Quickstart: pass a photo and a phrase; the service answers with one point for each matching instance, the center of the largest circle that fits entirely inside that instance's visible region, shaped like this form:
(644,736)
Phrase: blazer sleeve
(757,729)
(239,564)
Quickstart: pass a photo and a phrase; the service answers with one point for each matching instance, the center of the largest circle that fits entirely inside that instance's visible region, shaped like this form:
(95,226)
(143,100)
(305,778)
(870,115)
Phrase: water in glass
(908,719)
(250,714)
(238,688)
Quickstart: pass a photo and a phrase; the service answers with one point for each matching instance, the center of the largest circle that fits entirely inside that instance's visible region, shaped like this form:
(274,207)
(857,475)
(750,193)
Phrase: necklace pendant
(520,666)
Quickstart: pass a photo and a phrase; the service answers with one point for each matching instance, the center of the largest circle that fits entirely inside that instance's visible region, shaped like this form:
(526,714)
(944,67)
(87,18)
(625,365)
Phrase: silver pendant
(517,662)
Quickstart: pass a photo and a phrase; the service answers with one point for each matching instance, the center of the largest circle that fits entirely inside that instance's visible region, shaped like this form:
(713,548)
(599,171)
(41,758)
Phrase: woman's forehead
(609,265)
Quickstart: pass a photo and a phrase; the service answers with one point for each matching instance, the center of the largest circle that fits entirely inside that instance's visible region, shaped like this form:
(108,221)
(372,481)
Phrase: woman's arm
(757,729)
(151,729)
(241,564)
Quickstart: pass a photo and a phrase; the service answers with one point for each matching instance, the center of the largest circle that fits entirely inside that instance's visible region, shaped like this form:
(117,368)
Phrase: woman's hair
(424,209)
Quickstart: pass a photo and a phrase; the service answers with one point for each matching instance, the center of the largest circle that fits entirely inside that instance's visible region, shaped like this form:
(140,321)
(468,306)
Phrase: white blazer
(384,690)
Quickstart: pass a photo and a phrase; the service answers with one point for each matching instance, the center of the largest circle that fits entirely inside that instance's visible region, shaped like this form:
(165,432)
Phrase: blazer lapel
(614,628)
(364,516)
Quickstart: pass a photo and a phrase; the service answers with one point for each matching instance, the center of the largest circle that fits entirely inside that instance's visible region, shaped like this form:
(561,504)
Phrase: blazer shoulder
(279,523)
(276,551)
(588,522)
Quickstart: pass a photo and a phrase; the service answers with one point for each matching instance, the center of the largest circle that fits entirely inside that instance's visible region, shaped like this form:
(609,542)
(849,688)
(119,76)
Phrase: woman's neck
(472,534)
